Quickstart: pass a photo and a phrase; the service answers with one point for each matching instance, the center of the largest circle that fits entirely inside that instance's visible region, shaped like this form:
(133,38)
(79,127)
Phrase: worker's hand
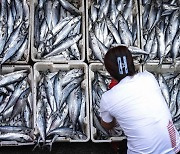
(109,125)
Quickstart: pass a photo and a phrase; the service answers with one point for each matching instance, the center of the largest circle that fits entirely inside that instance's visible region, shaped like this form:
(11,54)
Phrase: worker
(138,106)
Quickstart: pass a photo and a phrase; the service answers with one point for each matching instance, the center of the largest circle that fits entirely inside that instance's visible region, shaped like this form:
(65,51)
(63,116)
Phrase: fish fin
(37,144)
(173,64)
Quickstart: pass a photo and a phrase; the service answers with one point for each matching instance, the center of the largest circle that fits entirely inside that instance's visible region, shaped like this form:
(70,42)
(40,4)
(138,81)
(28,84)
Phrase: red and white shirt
(139,107)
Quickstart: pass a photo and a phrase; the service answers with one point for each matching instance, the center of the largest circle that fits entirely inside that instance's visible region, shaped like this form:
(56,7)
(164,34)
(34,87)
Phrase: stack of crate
(108,24)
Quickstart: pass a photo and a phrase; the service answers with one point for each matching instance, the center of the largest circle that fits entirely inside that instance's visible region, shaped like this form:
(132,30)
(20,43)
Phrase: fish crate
(15,32)
(16,121)
(168,78)
(105,27)
(99,80)
(61,37)
(160,35)
(74,77)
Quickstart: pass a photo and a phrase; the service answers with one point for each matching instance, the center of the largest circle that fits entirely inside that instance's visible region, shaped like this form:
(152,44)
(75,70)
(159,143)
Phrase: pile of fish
(111,22)
(14,30)
(170,87)
(60,108)
(99,86)
(16,107)
(57,30)
(161,30)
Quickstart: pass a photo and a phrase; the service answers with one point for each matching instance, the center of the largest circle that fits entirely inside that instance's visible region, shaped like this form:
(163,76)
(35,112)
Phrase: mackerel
(15,137)
(74,103)
(64,44)
(70,7)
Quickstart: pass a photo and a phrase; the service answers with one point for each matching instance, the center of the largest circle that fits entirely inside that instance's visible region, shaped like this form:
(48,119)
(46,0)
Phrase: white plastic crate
(9,69)
(171,78)
(80,43)
(90,55)
(145,25)
(25,56)
(94,67)
(44,66)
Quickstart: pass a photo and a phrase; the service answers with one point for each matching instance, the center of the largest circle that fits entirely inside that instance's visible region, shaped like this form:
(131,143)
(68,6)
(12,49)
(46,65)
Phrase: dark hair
(111,62)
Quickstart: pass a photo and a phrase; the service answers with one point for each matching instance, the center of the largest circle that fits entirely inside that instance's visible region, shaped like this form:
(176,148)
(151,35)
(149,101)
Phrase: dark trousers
(122,147)
(119,147)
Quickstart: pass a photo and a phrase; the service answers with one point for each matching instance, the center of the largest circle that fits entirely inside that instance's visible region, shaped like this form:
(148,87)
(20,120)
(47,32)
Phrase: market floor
(62,148)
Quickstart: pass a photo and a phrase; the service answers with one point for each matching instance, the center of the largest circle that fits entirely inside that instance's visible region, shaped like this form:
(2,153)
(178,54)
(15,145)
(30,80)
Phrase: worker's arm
(109,125)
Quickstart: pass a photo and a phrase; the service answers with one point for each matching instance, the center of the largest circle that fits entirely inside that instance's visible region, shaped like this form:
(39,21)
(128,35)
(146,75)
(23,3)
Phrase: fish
(164,88)
(50,92)
(94,46)
(14,28)
(13,127)
(3,25)
(63,45)
(161,44)
(175,46)
(107,27)
(16,137)
(69,7)
(66,30)
(113,30)
(40,119)
(162,16)
(52,39)
(74,102)
(99,85)
(65,84)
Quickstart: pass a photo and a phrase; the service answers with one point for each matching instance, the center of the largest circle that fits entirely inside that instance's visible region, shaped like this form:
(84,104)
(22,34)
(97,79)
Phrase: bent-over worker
(137,104)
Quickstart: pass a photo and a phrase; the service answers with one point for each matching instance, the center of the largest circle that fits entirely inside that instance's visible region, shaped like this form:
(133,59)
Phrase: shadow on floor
(62,148)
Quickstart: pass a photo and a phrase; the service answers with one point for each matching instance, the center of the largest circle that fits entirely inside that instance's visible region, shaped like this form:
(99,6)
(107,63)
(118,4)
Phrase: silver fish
(63,131)
(14,129)
(71,75)
(58,89)
(69,88)
(93,13)
(3,25)
(16,137)
(175,46)
(68,6)
(113,30)
(82,115)
(161,44)
(50,93)
(15,95)
(74,103)
(40,119)
(66,30)
(63,45)
(164,88)
(95,47)
(19,14)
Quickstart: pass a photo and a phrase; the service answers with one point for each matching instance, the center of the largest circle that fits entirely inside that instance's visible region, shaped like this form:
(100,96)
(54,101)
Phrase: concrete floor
(62,148)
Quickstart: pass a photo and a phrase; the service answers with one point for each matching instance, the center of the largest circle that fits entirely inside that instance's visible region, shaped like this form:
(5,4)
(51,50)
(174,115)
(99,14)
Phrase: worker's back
(139,107)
